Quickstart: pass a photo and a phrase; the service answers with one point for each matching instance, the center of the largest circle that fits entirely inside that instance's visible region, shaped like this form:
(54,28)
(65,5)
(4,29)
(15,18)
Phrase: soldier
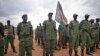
(74,35)
(9,37)
(62,36)
(97,31)
(85,27)
(50,35)
(41,34)
(93,35)
(36,34)
(24,31)
(31,35)
(1,39)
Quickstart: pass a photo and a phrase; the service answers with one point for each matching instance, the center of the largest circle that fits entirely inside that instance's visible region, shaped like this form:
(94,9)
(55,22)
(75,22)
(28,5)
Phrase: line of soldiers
(7,35)
(86,34)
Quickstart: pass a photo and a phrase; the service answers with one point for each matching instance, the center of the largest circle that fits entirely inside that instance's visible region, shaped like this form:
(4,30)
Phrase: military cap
(25,15)
(92,20)
(87,15)
(97,19)
(50,13)
(8,21)
(75,15)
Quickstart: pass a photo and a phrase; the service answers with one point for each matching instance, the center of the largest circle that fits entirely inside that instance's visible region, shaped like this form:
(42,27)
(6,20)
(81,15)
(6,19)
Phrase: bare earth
(38,51)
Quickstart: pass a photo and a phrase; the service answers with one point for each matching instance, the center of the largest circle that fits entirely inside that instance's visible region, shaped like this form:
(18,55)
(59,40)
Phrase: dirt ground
(38,51)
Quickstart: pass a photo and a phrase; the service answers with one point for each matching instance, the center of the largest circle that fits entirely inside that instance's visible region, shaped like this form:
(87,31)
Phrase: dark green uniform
(85,27)
(97,33)
(24,31)
(50,36)
(74,36)
(62,36)
(93,36)
(9,37)
(1,39)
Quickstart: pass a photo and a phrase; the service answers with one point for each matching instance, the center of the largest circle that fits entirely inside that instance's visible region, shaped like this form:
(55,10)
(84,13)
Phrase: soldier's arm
(2,29)
(32,32)
(13,30)
(44,26)
(18,30)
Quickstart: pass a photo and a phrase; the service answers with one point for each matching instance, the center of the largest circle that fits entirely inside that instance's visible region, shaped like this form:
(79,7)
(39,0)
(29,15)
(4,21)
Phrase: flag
(60,17)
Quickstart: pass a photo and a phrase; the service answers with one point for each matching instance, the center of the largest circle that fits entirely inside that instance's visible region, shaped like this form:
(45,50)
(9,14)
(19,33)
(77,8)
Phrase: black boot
(76,53)
(88,52)
(14,50)
(70,52)
(47,54)
(97,47)
(82,52)
(51,54)
(5,51)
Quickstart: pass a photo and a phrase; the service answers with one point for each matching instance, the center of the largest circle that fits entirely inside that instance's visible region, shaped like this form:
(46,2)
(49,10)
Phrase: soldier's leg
(97,41)
(21,50)
(12,45)
(1,47)
(83,42)
(1,51)
(63,42)
(47,48)
(29,51)
(88,45)
(70,48)
(38,40)
(6,45)
(59,43)
(52,47)
(76,46)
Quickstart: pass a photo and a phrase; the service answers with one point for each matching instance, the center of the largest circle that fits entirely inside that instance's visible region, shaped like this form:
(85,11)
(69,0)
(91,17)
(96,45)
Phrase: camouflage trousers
(1,47)
(25,46)
(73,42)
(50,46)
(85,40)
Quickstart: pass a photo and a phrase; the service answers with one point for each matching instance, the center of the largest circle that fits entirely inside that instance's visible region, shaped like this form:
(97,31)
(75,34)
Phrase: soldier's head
(29,22)
(50,15)
(40,24)
(8,22)
(75,16)
(86,16)
(97,19)
(24,17)
(92,20)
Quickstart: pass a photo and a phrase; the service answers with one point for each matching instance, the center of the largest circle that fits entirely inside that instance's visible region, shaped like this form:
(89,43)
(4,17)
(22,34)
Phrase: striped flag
(60,17)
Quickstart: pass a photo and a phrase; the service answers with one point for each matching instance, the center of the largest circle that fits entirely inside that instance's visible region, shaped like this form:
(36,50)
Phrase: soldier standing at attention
(85,28)
(74,35)
(1,39)
(93,35)
(97,31)
(9,37)
(62,36)
(24,31)
(50,35)
(31,34)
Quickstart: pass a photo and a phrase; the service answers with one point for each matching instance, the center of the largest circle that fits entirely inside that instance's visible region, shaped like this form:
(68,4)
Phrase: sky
(38,10)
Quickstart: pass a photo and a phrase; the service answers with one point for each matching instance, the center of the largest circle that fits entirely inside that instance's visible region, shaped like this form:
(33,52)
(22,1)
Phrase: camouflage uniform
(62,36)
(93,36)
(85,27)
(24,31)
(97,33)
(1,39)
(74,36)
(9,37)
(50,36)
